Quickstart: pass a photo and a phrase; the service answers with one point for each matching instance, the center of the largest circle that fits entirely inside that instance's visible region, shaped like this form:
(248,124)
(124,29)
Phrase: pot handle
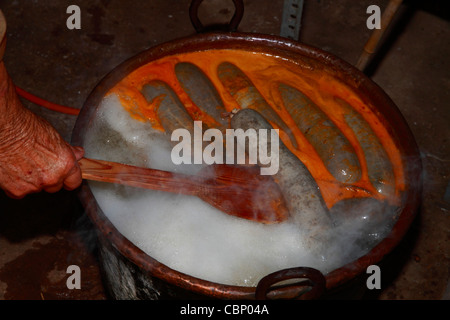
(231,27)
(311,284)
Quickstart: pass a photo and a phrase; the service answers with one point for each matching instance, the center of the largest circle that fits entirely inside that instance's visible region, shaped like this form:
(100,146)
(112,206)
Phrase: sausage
(301,193)
(173,115)
(332,146)
(201,91)
(247,96)
(171,111)
(380,170)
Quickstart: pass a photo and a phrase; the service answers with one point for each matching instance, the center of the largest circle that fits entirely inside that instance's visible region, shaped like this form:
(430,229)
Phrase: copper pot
(134,274)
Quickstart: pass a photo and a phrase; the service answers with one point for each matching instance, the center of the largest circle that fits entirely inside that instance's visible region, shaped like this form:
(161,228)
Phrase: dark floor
(41,235)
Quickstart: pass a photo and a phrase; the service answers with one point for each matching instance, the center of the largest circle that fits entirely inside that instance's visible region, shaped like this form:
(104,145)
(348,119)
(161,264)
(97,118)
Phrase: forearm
(15,119)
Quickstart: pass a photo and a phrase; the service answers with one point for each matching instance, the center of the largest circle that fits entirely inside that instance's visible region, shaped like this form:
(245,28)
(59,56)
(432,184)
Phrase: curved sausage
(379,167)
(201,91)
(301,193)
(247,96)
(171,111)
(332,146)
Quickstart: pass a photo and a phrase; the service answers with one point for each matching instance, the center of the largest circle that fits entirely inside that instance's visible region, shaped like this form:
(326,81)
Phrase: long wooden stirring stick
(236,190)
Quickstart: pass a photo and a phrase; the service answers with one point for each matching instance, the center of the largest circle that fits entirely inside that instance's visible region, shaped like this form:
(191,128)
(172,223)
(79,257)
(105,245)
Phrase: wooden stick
(372,43)
(230,189)
(113,172)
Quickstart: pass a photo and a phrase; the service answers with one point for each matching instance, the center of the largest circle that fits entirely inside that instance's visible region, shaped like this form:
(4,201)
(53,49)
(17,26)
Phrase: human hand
(33,156)
(36,158)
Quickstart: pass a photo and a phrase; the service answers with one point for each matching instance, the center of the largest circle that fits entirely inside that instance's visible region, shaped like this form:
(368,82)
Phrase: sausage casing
(332,146)
(201,91)
(379,167)
(171,112)
(302,195)
(247,95)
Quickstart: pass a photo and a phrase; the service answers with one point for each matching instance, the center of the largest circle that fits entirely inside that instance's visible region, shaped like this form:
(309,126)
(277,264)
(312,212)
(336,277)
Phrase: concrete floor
(41,235)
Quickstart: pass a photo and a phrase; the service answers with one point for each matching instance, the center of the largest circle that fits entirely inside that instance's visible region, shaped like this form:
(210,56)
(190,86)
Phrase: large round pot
(130,273)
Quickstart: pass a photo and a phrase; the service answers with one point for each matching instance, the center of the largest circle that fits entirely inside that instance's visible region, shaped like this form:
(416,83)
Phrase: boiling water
(189,235)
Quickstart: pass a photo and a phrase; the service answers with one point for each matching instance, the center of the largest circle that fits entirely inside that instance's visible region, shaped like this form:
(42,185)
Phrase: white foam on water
(190,236)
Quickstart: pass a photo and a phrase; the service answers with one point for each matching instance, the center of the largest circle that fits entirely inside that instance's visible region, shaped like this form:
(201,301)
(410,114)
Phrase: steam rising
(189,235)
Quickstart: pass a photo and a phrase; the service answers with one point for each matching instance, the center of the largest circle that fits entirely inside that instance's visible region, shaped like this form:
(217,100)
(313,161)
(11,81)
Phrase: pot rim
(275,45)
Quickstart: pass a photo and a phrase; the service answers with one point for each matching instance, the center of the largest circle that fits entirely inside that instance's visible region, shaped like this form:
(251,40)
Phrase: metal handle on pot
(311,284)
(231,27)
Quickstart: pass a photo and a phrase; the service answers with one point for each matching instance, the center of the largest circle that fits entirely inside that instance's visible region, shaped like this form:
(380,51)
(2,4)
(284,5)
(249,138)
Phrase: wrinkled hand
(33,156)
